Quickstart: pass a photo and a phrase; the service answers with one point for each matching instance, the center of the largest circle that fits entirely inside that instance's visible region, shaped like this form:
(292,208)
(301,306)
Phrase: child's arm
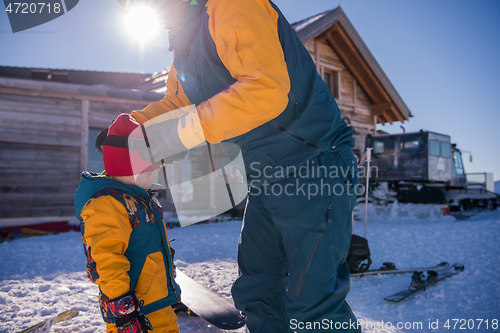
(107,233)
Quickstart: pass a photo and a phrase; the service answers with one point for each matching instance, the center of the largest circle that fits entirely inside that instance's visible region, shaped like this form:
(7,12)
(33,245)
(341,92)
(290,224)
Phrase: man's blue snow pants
(293,247)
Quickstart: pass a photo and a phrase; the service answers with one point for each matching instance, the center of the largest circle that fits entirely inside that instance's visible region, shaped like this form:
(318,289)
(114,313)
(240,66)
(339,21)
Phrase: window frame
(333,83)
(384,150)
(406,139)
(434,142)
(448,149)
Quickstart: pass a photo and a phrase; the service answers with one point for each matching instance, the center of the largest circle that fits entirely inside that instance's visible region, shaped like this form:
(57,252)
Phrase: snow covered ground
(42,276)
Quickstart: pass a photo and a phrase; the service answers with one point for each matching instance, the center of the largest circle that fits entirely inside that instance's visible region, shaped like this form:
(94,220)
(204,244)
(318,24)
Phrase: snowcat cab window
(434,148)
(459,167)
(383,146)
(445,149)
(412,143)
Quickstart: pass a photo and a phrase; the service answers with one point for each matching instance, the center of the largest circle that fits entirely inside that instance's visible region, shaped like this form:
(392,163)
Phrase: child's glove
(125,312)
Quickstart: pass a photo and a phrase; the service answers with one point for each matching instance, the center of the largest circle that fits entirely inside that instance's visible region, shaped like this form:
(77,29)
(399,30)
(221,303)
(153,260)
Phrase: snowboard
(389,268)
(209,305)
(432,279)
(46,325)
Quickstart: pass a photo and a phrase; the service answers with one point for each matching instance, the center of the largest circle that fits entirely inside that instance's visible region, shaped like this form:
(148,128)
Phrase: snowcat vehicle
(425,167)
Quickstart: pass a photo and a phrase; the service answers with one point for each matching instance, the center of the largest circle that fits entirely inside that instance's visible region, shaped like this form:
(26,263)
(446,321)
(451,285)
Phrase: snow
(305,23)
(41,276)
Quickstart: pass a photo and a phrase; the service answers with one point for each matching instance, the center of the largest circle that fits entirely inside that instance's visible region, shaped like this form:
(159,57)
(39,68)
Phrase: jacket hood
(93,183)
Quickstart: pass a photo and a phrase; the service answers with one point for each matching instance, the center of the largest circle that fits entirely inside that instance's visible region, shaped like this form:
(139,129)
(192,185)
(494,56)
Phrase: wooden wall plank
(327,54)
(36,137)
(347,86)
(39,100)
(33,120)
(101,115)
(361,97)
(37,179)
(84,152)
(52,211)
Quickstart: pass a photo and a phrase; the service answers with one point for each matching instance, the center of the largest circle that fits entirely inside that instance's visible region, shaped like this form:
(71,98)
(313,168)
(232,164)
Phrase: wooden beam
(354,90)
(329,66)
(316,55)
(357,124)
(395,115)
(353,60)
(379,109)
(63,95)
(387,117)
(84,148)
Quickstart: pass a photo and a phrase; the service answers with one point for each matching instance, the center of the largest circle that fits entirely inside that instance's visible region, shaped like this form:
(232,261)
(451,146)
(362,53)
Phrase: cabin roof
(79,89)
(89,78)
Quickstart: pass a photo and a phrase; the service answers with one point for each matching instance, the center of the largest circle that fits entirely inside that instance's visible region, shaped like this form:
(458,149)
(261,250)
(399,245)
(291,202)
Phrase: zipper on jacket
(295,104)
(295,136)
(167,253)
(327,218)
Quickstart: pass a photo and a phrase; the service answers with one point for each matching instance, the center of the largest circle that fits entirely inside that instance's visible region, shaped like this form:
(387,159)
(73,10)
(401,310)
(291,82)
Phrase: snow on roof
(304,23)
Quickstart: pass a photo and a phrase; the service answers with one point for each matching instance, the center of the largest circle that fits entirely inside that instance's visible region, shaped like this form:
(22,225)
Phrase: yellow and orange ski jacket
(126,242)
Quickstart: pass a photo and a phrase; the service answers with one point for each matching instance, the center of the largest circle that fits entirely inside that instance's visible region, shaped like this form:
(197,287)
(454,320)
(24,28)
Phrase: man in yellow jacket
(252,83)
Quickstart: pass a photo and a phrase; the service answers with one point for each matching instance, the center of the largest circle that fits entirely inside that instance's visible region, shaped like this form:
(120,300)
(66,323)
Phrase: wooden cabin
(50,118)
(363,93)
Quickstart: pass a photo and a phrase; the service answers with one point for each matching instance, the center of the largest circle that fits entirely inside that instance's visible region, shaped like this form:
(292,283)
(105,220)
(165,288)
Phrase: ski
(46,325)
(420,283)
(390,268)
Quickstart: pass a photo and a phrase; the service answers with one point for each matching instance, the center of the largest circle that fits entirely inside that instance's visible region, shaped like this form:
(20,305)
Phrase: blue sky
(441,56)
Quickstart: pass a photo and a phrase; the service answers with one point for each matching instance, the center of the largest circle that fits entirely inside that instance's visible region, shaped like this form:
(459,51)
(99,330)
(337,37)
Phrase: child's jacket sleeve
(107,234)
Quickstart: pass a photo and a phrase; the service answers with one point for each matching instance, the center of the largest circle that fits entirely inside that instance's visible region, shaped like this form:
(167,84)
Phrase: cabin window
(457,158)
(331,79)
(445,149)
(411,143)
(434,148)
(383,146)
(95,163)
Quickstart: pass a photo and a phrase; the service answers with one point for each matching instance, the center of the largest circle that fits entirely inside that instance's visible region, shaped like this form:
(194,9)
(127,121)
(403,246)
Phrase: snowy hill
(41,276)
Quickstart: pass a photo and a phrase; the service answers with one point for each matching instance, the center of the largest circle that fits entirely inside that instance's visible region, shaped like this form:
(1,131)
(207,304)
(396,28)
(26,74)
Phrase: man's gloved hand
(164,142)
(125,312)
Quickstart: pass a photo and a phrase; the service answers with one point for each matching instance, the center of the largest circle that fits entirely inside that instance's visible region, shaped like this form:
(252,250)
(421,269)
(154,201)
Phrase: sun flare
(142,23)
